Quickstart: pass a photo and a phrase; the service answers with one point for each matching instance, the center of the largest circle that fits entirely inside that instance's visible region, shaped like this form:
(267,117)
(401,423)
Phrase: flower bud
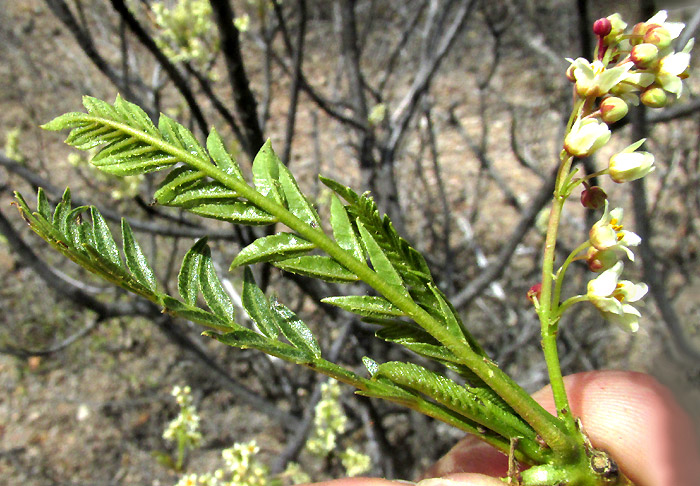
(654,97)
(618,27)
(658,36)
(644,55)
(534,292)
(586,136)
(629,165)
(613,109)
(593,197)
(600,260)
(602,27)
(638,32)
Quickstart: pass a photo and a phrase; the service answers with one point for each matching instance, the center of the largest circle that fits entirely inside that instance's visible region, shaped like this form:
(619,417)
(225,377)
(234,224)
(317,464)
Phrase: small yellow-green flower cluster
(242,469)
(329,421)
(186,30)
(12,150)
(184,429)
(245,469)
(355,463)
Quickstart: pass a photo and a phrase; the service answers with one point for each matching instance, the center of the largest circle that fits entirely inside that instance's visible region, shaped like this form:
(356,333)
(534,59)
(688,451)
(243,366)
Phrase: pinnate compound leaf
(343,231)
(295,330)
(188,278)
(317,266)
(218,152)
(273,247)
(135,259)
(214,294)
(258,307)
(366,305)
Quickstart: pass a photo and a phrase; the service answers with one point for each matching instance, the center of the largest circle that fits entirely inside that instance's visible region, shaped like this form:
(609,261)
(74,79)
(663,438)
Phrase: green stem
(548,320)
(571,301)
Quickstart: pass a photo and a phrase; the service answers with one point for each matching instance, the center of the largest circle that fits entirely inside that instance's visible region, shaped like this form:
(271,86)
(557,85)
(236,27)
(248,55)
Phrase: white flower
(629,165)
(586,136)
(594,79)
(613,297)
(673,28)
(608,233)
(670,69)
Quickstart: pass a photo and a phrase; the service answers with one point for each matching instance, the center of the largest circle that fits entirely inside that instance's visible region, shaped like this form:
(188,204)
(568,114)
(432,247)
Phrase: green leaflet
(195,314)
(273,247)
(317,266)
(365,305)
(343,231)
(371,365)
(257,306)
(136,116)
(379,260)
(128,157)
(447,314)
(60,214)
(202,193)
(238,212)
(67,120)
(266,174)
(135,260)
(104,242)
(177,135)
(188,278)
(456,397)
(42,204)
(297,203)
(247,339)
(175,182)
(295,330)
(214,294)
(218,152)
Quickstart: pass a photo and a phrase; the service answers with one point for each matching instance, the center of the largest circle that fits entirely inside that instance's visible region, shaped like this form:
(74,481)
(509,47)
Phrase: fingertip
(463,479)
(470,455)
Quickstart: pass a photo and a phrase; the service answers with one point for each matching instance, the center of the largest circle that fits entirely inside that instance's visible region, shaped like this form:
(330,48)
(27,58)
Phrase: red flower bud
(602,27)
(593,197)
(534,292)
